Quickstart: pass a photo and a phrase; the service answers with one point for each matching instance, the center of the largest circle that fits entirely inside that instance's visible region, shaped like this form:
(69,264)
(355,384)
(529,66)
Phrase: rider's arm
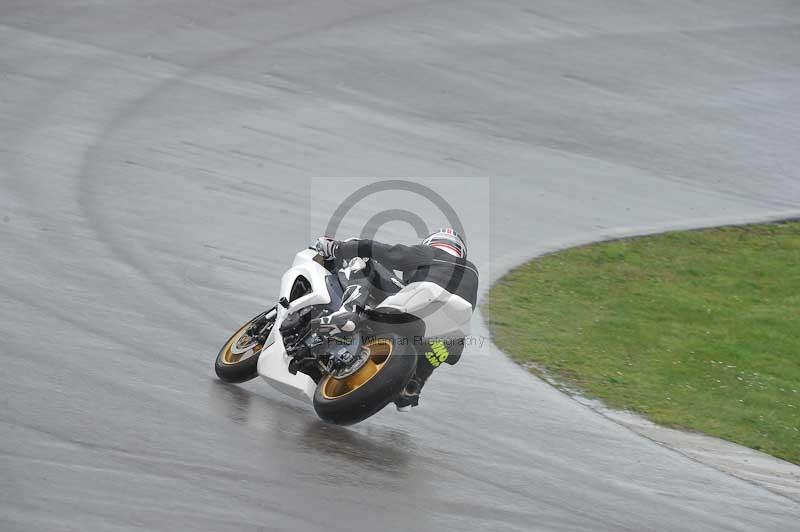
(395,257)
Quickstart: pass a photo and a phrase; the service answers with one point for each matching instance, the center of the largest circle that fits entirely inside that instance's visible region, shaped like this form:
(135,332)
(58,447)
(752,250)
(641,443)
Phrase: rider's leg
(432,355)
(340,324)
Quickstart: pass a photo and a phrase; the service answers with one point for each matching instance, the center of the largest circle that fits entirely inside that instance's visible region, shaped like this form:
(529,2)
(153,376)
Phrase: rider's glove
(326,247)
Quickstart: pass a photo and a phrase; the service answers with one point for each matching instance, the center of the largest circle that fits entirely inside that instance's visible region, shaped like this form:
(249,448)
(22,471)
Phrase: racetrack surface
(155,161)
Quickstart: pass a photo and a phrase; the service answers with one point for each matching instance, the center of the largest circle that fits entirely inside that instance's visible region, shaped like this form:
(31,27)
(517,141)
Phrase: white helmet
(447,240)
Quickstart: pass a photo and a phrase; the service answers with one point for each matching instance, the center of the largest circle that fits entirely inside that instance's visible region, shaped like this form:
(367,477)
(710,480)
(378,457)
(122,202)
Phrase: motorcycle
(314,346)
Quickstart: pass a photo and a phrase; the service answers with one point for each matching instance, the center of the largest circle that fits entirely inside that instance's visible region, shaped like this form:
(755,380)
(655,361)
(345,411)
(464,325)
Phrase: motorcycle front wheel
(237,361)
(351,399)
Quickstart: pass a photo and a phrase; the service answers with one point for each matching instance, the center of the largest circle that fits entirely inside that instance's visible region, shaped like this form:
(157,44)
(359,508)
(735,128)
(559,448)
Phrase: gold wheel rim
(379,352)
(229,357)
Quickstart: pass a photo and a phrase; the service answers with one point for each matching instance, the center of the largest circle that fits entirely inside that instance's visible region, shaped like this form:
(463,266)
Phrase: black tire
(372,395)
(231,368)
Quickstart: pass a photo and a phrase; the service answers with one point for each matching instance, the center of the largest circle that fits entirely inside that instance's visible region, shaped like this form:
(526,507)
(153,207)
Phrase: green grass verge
(697,330)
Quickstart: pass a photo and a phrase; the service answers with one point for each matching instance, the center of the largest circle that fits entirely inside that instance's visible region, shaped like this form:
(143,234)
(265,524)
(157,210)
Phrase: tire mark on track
(89,175)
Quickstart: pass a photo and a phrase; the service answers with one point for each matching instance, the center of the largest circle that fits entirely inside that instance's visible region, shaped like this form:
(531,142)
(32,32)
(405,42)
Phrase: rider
(441,259)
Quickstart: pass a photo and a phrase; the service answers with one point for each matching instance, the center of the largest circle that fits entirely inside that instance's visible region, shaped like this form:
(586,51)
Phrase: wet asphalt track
(154,159)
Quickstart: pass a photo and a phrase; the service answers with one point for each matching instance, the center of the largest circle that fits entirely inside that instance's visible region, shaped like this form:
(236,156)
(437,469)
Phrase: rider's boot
(409,397)
(431,357)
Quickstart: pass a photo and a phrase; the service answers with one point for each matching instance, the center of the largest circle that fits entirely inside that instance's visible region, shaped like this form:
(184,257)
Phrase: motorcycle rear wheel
(237,361)
(351,399)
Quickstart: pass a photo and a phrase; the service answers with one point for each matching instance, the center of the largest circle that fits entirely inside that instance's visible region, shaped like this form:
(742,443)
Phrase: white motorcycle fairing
(273,363)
